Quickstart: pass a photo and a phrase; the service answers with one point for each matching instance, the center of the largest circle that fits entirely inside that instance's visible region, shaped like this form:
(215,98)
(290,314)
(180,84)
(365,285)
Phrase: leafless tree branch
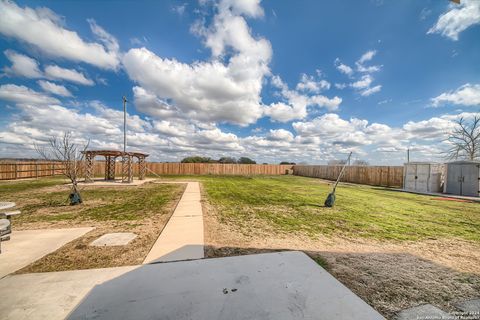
(69,154)
(464,140)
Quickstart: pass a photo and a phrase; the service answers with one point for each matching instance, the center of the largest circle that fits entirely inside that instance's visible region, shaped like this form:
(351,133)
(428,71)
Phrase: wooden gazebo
(110,161)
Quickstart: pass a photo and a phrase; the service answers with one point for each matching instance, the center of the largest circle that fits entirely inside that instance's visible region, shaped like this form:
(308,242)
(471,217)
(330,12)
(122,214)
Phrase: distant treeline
(199,159)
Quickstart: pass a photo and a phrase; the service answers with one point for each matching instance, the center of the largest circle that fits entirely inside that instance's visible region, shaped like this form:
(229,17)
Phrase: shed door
(423,174)
(410,174)
(470,180)
(454,178)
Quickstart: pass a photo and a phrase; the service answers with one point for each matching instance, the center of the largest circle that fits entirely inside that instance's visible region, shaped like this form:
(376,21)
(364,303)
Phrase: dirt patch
(79,255)
(390,276)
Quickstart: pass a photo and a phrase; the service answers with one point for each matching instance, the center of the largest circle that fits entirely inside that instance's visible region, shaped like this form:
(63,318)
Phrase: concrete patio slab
(182,237)
(469,306)
(49,295)
(115,183)
(426,311)
(274,286)
(28,246)
(114,239)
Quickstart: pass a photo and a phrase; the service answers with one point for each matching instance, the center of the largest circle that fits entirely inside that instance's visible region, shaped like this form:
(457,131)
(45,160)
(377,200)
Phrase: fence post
(36,169)
(16,171)
(388,176)
(53,169)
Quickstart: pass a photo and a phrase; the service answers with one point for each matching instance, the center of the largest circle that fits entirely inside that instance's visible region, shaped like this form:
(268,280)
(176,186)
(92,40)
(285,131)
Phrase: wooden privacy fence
(30,169)
(21,170)
(372,175)
(387,176)
(161,168)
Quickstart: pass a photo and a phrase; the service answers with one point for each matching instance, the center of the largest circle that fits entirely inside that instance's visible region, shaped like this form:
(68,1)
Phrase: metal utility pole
(408,155)
(124,124)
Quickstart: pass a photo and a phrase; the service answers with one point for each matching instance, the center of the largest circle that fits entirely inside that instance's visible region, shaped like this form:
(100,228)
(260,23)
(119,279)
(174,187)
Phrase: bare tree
(360,162)
(71,156)
(465,140)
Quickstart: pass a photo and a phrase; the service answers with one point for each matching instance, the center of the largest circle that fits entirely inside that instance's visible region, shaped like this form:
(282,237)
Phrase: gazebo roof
(115,153)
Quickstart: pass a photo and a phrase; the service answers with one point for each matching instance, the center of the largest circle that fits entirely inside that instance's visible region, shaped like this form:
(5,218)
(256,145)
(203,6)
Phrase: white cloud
(384,101)
(280,135)
(320,139)
(296,103)
(433,128)
(43,29)
(467,95)
(56,89)
(343,68)
(134,122)
(367,56)
(149,104)
(425,13)
(136,41)
(109,41)
(363,83)
(226,88)
(310,84)
(370,91)
(282,112)
(250,8)
(59,73)
(22,65)
(457,19)
(328,125)
(25,66)
(209,91)
(368,69)
(322,101)
(24,95)
(174,128)
(180,9)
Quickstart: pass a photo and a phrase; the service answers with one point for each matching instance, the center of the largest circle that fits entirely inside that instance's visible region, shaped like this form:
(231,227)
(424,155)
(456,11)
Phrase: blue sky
(272,80)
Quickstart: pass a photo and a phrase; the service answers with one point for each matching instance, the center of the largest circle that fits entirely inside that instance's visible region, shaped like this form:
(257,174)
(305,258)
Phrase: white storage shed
(423,176)
(463,178)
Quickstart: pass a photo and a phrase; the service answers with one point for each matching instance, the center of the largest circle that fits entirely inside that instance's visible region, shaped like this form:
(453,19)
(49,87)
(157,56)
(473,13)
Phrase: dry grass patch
(143,210)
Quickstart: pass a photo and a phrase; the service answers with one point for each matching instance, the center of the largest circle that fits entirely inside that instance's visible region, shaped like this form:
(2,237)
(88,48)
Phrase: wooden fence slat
(387,176)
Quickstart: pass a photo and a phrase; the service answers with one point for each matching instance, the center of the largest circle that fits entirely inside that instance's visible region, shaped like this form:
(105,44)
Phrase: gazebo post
(107,163)
(109,168)
(127,172)
(142,167)
(89,159)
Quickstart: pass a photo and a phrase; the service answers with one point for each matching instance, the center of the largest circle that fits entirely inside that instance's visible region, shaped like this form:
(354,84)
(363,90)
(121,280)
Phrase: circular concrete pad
(114,239)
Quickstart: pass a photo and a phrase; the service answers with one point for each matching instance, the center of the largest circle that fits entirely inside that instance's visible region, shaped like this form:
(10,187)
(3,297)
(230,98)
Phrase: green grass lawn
(39,203)
(143,210)
(295,204)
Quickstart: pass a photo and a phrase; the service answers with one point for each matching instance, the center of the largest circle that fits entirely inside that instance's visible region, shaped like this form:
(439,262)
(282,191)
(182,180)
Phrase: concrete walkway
(25,247)
(271,286)
(280,286)
(182,237)
(50,295)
